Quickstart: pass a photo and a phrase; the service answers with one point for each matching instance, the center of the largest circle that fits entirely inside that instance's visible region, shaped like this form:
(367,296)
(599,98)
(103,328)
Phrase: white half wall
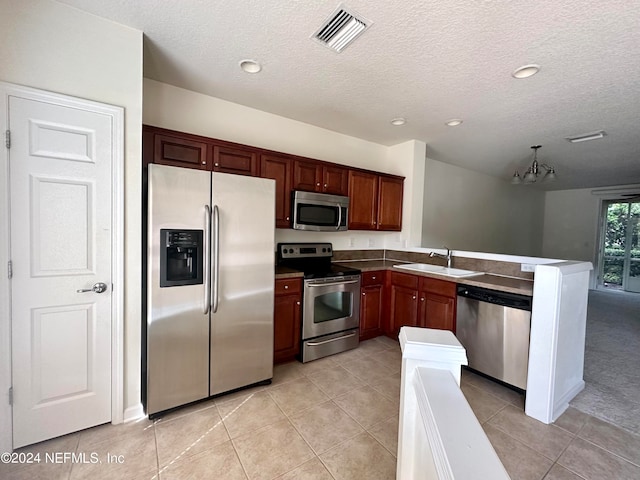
(178,109)
(54,47)
(467,210)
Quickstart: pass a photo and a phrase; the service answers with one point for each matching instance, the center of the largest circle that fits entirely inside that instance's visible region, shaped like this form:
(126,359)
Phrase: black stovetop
(314,259)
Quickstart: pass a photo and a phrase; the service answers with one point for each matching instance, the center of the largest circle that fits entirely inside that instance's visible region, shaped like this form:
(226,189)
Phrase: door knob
(97,288)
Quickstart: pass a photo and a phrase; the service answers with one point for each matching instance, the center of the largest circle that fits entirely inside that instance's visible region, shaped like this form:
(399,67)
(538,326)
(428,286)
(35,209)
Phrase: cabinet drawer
(372,278)
(441,287)
(404,280)
(288,286)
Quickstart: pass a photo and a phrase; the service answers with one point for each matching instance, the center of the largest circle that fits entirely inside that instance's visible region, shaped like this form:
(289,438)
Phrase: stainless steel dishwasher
(494,329)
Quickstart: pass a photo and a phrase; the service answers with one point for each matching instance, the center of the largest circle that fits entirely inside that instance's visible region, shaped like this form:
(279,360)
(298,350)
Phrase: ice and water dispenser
(181,257)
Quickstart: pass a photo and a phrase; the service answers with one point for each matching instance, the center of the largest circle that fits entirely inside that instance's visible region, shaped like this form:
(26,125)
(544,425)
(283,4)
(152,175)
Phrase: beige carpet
(612,359)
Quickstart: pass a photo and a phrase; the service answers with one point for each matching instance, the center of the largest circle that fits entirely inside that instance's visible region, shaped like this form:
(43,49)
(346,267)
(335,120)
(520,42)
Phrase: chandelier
(534,171)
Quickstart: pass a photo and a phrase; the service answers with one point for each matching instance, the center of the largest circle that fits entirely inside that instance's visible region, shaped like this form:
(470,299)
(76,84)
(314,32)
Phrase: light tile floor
(334,418)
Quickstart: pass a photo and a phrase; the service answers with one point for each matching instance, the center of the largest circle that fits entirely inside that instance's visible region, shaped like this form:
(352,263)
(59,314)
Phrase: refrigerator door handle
(216,257)
(207,259)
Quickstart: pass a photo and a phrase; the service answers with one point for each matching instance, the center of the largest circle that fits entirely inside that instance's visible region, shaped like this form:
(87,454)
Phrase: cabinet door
(403,308)
(437,311)
(390,203)
(370,311)
(279,169)
(363,197)
(335,180)
(235,160)
(286,328)
(180,152)
(307,176)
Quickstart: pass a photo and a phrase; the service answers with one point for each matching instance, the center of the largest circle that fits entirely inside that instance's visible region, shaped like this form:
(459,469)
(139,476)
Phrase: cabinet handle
(363,294)
(287,219)
(373,278)
(317,184)
(297,303)
(325,185)
(286,287)
(422,299)
(204,163)
(414,297)
(217,164)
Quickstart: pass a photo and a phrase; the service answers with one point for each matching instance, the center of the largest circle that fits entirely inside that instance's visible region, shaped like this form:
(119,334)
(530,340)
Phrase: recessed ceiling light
(454,122)
(526,71)
(586,136)
(250,66)
(398,121)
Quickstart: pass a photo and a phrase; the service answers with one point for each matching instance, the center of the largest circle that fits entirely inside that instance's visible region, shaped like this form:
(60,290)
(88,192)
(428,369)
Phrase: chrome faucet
(447,257)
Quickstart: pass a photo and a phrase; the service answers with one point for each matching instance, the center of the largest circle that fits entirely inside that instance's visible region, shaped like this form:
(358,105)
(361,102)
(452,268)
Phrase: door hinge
(11,396)
(10,269)
(7,138)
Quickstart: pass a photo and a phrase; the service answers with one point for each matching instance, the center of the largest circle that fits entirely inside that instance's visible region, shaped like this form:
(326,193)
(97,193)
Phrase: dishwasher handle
(504,299)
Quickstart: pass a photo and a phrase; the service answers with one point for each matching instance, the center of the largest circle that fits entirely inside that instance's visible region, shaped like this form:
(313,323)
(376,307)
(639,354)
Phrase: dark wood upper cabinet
(363,200)
(375,198)
(335,180)
(307,176)
(390,203)
(375,201)
(234,160)
(180,152)
(314,176)
(279,168)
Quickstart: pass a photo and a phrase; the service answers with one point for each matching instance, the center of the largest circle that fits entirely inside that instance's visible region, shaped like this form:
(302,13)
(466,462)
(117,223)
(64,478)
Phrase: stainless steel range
(331,299)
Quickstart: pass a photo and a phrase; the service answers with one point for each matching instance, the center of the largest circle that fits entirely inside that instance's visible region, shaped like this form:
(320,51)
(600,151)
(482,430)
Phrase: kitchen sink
(437,269)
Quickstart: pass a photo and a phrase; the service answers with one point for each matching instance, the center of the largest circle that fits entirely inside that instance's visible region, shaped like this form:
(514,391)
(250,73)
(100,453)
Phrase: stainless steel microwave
(319,212)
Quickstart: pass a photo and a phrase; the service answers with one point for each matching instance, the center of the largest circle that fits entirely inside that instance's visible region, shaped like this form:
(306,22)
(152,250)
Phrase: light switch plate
(527,267)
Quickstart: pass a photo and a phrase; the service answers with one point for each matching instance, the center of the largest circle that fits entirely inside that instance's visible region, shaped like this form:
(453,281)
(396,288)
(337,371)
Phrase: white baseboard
(136,412)
(563,402)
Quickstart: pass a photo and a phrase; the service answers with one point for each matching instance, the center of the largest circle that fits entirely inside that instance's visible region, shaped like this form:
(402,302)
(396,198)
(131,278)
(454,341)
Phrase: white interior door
(60,164)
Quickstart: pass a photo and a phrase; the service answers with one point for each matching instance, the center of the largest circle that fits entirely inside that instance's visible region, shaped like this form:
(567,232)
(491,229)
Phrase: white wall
(178,109)
(571,225)
(466,210)
(51,46)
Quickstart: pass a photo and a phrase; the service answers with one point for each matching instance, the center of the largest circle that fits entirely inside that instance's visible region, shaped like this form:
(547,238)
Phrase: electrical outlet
(527,267)
(352,242)
(372,242)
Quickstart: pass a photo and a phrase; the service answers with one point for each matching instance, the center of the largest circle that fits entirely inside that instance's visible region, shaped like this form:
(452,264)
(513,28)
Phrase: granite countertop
(487,280)
(286,272)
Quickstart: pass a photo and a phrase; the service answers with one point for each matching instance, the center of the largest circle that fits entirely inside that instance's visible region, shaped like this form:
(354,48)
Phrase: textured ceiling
(428,61)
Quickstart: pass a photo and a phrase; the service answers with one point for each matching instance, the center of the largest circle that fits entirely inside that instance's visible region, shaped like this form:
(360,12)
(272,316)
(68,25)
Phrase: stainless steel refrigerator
(210,278)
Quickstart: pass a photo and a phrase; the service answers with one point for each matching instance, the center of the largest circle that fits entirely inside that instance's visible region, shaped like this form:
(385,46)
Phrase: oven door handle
(331,284)
(315,344)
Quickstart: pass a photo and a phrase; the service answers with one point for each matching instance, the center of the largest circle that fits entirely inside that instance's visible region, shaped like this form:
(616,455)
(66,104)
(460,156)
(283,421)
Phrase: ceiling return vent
(340,29)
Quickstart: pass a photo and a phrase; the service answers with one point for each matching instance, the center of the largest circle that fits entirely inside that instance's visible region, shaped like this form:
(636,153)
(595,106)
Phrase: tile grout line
(560,456)
(233,445)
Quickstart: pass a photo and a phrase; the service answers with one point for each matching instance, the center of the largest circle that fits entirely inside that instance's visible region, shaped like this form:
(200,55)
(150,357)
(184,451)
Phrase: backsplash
(508,269)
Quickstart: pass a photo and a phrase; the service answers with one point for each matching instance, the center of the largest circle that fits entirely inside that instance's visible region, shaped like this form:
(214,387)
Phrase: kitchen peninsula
(558,323)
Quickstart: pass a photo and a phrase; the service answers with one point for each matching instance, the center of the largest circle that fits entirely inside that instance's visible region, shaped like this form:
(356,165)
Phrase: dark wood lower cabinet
(437,311)
(286,320)
(371,304)
(421,302)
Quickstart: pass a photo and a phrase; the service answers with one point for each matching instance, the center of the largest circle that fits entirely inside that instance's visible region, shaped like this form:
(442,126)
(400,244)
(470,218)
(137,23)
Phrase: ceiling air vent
(340,29)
